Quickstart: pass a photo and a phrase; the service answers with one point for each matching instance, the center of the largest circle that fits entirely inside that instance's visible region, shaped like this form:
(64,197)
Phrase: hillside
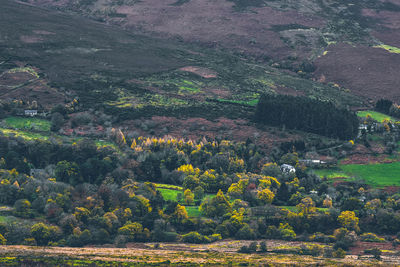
(283,33)
(104,66)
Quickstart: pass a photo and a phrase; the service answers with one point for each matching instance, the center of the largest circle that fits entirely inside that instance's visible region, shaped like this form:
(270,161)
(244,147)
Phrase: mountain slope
(106,67)
(285,33)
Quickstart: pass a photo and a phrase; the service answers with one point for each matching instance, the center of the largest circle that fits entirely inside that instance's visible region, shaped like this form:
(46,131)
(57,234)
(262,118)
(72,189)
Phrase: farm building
(30,112)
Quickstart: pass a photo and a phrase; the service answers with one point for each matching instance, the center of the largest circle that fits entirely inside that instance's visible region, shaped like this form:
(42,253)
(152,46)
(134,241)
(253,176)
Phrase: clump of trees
(305,114)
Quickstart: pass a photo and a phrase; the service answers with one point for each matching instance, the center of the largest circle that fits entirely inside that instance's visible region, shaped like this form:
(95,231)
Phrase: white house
(287,169)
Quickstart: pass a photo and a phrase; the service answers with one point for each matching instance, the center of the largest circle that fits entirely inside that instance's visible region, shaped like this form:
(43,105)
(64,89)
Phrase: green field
(169,194)
(380,117)
(383,174)
(28,124)
(378,175)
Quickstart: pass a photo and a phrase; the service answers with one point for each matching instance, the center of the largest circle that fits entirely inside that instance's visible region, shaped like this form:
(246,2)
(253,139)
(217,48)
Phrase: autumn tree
(349,220)
(265,195)
(306,206)
(43,233)
(217,206)
(189,197)
(131,230)
(68,172)
(180,213)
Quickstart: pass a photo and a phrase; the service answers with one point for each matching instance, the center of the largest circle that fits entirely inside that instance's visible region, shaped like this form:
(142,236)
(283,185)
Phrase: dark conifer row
(305,114)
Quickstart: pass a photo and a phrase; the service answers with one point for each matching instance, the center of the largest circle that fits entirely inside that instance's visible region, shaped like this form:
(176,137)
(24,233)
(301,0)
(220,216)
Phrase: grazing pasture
(377,174)
(28,124)
(379,117)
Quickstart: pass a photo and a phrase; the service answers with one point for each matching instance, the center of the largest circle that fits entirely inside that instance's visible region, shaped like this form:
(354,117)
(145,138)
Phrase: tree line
(306,114)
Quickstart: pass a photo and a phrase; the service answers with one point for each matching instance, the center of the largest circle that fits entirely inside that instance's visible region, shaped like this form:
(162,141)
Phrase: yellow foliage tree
(349,220)
(265,195)
(180,213)
(189,197)
(306,206)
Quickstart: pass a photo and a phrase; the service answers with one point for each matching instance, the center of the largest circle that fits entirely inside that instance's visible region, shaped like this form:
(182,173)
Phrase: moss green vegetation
(28,123)
(380,117)
(391,49)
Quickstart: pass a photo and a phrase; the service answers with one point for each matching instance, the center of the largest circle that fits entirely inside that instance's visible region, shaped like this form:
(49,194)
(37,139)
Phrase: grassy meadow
(377,175)
(379,117)
(23,123)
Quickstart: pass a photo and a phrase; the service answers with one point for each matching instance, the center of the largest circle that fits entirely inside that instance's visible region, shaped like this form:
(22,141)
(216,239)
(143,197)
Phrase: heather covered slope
(106,67)
(283,33)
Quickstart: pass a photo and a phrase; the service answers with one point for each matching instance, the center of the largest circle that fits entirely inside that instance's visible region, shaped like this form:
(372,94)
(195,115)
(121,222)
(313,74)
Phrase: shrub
(131,230)
(371,237)
(339,253)
(244,249)
(263,246)
(215,237)
(22,208)
(245,233)
(253,247)
(195,237)
(314,250)
(43,233)
(120,241)
(3,241)
(344,238)
(376,252)
(30,242)
(286,232)
(162,236)
(320,237)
